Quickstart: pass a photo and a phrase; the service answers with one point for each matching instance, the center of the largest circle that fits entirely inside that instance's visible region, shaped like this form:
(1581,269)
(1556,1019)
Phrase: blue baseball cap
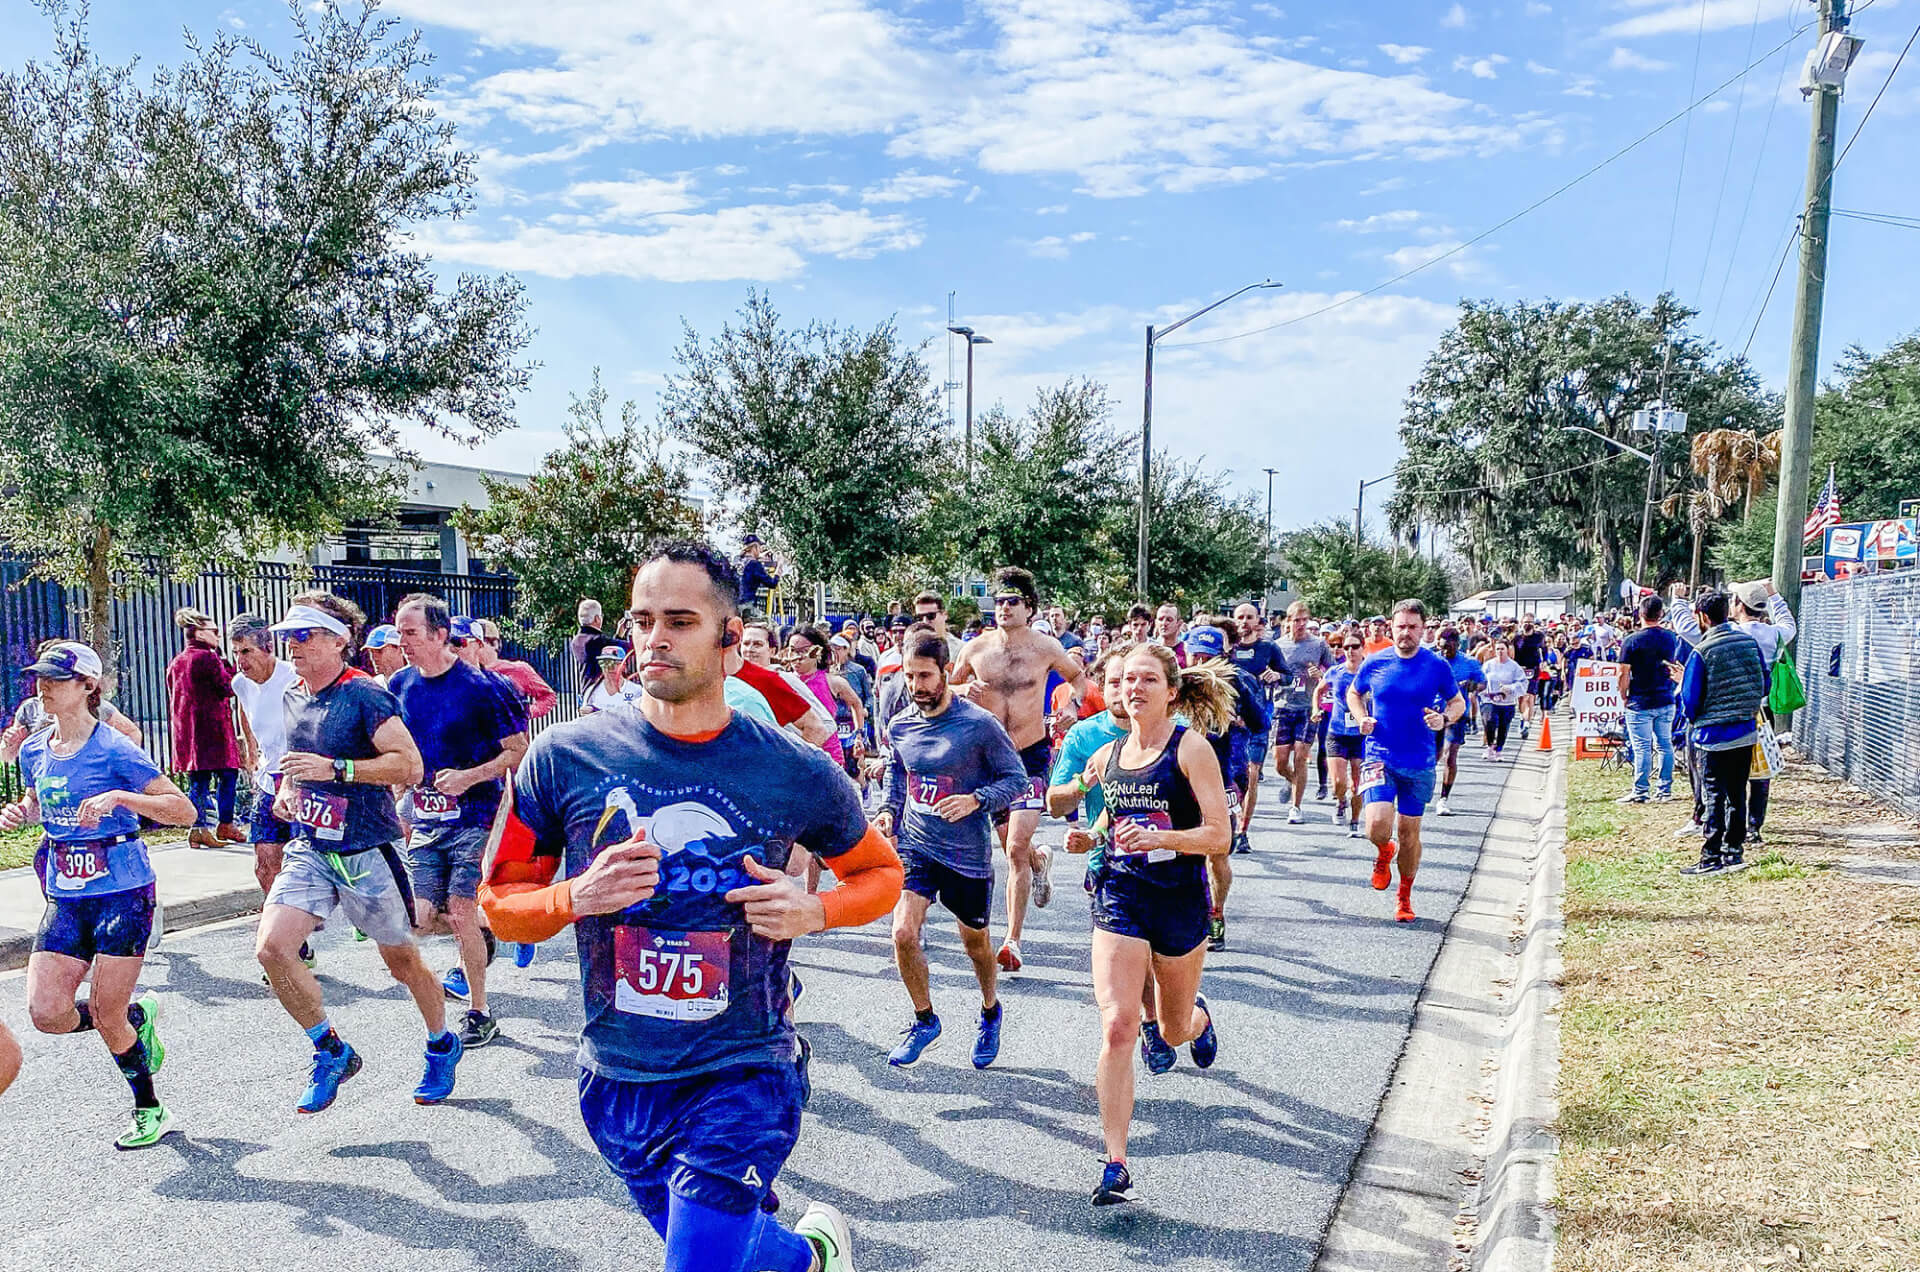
(382,636)
(69,660)
(1205,642)
(462,628)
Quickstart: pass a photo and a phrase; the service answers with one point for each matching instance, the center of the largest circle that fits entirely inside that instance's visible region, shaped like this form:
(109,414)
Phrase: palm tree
(1736,464)
(1702,508)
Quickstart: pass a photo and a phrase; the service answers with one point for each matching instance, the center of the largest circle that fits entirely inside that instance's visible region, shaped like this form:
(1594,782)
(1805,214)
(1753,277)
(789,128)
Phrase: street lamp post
(1359,507)
(1146,425)
(972,339)
(1266,565)
(1646,512)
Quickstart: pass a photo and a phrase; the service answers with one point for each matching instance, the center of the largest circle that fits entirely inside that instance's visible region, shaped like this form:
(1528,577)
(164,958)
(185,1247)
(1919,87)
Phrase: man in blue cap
(756,579)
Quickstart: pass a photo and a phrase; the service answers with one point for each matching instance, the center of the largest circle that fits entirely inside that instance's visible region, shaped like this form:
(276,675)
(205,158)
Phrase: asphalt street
(940,1167)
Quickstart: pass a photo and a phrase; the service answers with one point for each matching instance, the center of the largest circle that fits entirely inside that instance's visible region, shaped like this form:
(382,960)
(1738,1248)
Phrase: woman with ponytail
(1166,812)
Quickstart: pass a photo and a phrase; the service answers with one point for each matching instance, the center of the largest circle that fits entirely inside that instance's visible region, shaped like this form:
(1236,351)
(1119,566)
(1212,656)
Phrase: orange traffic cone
(1546,732)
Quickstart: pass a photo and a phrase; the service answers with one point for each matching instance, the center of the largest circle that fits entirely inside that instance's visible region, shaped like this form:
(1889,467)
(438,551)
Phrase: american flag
(1826,511)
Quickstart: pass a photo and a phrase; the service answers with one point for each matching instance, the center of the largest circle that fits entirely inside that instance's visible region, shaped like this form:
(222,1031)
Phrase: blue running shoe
(454,985)
(523,954)
(915,1041)
(436,1084)
(1116,1185)
(986,1048)
(1154,1050)
(330,1069)
(1207,1046)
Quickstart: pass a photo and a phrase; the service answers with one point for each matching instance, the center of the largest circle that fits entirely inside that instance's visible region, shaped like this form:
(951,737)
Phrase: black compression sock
(136,1015)
(133,1067)
(925,1017)
(990,1013)
(493,946)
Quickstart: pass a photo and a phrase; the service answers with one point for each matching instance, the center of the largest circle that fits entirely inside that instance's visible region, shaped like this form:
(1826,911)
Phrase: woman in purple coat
(199,689)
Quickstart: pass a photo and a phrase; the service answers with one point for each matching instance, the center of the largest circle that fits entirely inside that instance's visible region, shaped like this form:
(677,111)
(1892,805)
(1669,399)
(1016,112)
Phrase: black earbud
(728,638)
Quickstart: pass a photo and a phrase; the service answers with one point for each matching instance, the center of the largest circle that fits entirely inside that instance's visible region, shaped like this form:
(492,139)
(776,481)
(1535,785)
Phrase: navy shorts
(114,925)
(718,1139)
(1408,790)
(1346,746)
(1173,921)
(265,828)
(446,863)
(1455,733)
(969,900)
(1038,761)
(1257,748)
(1290,725)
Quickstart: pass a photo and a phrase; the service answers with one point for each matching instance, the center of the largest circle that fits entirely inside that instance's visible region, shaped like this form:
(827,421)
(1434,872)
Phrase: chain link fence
(1859,655)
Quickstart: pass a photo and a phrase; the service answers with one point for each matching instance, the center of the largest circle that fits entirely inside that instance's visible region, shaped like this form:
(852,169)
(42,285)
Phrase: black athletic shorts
(1038,761)
(968,899)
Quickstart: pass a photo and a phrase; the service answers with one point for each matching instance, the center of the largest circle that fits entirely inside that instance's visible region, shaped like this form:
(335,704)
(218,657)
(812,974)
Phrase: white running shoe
(1338,815)
(1294,816)
(825,1229)
(1440,807)
(1042,876)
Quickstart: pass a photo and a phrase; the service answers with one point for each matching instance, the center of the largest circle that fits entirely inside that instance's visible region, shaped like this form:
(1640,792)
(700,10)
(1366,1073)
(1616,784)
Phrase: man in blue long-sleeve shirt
(952,767)
(1721,692)
(756,580)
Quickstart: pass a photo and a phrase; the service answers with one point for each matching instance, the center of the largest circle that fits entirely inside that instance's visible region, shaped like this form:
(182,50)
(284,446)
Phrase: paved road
(939,1168)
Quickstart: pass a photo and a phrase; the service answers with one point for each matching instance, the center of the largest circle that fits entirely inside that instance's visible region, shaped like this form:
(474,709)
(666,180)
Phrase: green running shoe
(825,1229)
(149,1034)
(149,1127)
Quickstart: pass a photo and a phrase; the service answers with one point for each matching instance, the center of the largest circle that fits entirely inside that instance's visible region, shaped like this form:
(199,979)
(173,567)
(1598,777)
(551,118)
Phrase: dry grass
(1739,1085)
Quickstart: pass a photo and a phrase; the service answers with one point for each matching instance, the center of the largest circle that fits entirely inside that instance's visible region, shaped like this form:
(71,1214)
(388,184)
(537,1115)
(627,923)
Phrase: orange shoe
(1403,913)
(1383,868)
(1009,957)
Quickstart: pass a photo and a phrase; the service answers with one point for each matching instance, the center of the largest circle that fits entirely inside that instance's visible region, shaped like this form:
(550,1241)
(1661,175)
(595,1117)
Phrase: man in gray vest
(1721,692)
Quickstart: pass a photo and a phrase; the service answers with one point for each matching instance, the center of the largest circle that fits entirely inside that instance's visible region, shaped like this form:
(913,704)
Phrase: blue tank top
(1160,796)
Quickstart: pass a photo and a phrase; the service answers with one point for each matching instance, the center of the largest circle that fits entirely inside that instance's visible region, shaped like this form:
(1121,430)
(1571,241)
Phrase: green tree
(580,525)
(1204,547)
(1743,548)
(1042,482)
(831,439)
(1488,454)
(210,320)
(1866,423)
(1342,578)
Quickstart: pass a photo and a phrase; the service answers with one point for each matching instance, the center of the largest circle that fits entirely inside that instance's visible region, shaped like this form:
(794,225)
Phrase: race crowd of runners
(681,825)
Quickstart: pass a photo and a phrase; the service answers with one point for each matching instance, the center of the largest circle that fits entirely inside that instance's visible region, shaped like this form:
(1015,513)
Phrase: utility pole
(972,338)
(1789,543)
(1653,469)
(1266,568)
(1146,471)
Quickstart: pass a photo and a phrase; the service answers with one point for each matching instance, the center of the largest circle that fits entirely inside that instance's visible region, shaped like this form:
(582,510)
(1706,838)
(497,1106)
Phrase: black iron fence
(146,639)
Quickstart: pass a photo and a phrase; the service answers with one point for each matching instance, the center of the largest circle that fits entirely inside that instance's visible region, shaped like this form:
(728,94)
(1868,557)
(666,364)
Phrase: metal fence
(1859,655)
(146,639)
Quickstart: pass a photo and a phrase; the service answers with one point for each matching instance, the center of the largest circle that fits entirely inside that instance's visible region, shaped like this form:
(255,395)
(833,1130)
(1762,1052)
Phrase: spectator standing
(588,642)
(1646,683)
(756,577)
(199,698)
(1722,692)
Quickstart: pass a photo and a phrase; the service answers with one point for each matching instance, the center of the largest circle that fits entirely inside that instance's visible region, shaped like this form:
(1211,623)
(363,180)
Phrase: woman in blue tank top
(1166,812)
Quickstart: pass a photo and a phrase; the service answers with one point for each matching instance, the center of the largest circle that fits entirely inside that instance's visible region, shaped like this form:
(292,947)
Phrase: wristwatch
(340,770)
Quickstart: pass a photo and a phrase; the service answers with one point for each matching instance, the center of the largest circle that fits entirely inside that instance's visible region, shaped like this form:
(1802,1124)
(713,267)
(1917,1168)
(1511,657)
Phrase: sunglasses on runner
(301,635)
(1353,644)
(1011,598)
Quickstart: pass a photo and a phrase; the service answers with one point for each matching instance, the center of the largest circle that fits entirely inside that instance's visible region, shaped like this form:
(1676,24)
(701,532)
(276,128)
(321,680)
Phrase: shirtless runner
(1004,669)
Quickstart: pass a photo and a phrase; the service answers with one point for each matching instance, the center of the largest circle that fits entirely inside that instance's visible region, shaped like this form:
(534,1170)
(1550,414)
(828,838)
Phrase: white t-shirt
(266,708)
(599,698)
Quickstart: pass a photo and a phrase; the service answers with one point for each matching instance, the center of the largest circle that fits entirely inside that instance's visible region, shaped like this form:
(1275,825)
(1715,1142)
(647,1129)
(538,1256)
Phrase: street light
(1646,512)
(1266,572)
(972,339)
(1359,505)
(1146,423)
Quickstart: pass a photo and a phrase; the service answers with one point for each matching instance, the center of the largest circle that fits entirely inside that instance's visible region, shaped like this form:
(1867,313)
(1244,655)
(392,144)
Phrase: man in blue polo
(1401,697)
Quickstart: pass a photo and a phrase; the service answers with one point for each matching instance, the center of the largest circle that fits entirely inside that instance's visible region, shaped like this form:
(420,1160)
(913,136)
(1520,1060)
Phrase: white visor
(302,617)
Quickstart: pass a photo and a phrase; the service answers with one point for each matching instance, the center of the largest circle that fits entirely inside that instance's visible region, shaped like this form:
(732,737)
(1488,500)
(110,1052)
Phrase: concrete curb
(1517,1222)
(218,907)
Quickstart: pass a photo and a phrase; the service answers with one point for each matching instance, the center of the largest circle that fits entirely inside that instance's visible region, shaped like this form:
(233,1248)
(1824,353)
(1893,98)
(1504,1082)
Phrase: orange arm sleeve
(870,877)
(518,892)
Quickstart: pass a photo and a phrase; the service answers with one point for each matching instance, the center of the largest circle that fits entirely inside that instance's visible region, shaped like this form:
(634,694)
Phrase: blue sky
(1075,169)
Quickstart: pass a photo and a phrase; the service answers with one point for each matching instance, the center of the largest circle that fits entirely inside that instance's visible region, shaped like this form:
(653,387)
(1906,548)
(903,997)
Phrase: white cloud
(1018,334)
(1538,68)
(1399,219)
(1056,247)
(910,185)
(1052,209)
(759,242)
(1461,264)
(1384,186)
(1482,67)
(1535,9)
(615,69)
(1583,86)
(1405,54)
(1628,60)
(1129,102)
(633,199)
(1455,18)
(1683,16)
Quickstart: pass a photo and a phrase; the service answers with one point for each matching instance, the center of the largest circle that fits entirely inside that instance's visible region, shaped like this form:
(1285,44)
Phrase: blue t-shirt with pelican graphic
(77,861)
(679,985)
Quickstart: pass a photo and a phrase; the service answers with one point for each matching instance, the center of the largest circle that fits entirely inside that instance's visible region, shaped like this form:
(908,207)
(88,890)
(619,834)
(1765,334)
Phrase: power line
(1518,481)
(1485,234)
(1753,185)
(1881,218)
(1686,140)
(1726,169)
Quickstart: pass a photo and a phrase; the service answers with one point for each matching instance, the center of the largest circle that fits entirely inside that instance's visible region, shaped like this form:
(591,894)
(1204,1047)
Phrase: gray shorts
(446,863)
(370,888)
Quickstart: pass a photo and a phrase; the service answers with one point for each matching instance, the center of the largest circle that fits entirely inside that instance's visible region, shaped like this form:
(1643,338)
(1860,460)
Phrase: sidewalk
(197,885)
